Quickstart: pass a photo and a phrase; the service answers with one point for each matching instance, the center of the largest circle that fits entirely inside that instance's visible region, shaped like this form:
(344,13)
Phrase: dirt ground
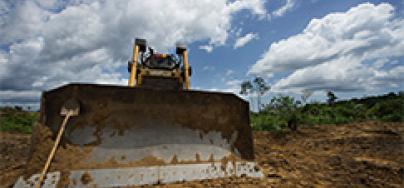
(367,154)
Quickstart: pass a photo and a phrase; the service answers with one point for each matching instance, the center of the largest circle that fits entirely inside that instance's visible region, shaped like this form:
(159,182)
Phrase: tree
(331,98)
(305,95)
(401,93)
(286,109)
(260,87)
(246,88)
(18,108)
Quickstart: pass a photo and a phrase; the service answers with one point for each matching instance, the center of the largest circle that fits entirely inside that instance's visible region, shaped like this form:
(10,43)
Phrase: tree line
(286,112)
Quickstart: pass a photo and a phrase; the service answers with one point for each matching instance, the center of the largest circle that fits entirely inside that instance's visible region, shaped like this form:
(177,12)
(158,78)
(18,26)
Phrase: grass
(17,120)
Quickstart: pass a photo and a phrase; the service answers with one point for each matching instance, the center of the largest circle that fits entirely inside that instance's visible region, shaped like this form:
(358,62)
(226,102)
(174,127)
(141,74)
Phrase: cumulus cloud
(345,51)
(47,43)
(240,42)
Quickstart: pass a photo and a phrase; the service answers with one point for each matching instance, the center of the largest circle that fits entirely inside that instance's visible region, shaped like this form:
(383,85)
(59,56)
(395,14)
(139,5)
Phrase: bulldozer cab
(157,70)
(161,61)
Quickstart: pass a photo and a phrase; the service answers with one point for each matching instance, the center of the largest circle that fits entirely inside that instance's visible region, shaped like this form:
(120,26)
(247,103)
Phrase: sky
(354,48)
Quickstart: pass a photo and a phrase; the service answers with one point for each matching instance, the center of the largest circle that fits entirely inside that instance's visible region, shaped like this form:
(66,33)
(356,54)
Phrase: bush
(391,110)
(264,122)
(280,113)
(284,111)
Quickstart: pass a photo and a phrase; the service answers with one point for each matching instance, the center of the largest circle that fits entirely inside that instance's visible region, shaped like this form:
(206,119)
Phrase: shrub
(268,123)
(284,111)
(389,110)
(17,120)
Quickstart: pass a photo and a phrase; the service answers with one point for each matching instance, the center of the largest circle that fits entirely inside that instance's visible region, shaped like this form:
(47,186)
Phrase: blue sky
(225,58)
(353,48)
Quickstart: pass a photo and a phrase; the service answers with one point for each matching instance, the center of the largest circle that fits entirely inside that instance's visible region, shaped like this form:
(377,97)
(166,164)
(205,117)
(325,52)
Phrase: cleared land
(369,154)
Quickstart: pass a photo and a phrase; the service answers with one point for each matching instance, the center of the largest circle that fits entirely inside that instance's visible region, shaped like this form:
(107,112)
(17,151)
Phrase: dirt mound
(351,155)
(14,151)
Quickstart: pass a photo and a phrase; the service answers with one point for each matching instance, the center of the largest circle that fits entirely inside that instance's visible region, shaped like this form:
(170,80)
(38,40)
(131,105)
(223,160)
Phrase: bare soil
(369,154)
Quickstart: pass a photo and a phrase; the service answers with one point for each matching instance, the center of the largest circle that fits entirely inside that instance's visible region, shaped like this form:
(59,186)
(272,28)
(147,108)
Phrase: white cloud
(48,43)
(18,96)
(233,84)
(50,4)
(342,52)
(285,8)
(257,7)
(207,48)
(230,86)
(240,42)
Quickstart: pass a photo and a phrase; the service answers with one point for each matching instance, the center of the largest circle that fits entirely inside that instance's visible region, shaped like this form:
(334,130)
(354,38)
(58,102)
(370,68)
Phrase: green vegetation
(16,119)
(286,112)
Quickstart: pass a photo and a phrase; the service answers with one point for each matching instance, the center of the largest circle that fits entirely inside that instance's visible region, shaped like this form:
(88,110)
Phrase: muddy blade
(128,124)
(131,128)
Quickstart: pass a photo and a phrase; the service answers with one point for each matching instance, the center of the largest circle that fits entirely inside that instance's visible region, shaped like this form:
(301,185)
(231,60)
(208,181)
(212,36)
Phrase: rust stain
(86,178)
(64,179)
(197,157)
(174,160)
(211,159)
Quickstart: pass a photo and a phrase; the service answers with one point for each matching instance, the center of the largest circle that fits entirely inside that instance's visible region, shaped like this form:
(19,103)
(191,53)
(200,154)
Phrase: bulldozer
(155,130)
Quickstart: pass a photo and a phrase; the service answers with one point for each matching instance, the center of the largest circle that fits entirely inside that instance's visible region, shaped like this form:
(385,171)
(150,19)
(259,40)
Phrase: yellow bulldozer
(156,130)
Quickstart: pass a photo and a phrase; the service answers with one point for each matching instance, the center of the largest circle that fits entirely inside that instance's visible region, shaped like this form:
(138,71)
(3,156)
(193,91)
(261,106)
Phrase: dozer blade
(133,136)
